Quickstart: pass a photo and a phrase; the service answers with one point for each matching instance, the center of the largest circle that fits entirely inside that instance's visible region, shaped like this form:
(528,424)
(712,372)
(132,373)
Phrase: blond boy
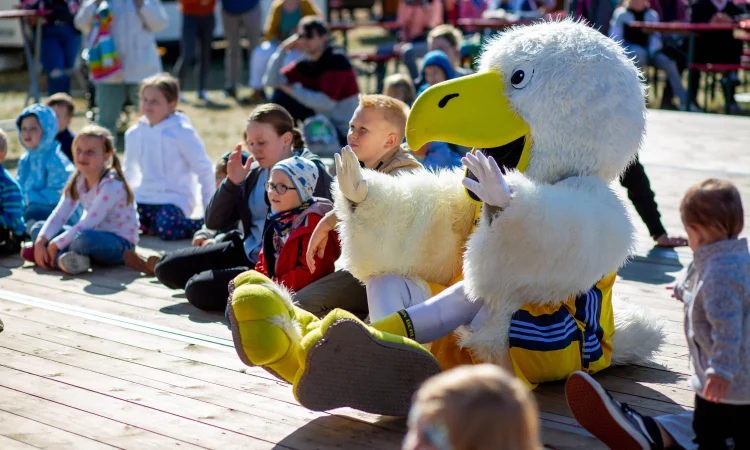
(376,133)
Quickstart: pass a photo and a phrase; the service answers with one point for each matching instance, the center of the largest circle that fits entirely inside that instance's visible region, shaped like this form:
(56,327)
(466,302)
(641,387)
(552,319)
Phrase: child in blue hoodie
(44,169)
(437,68)
(12,225)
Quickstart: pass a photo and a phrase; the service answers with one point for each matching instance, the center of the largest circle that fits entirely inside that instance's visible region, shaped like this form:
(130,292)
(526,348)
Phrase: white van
(10,30)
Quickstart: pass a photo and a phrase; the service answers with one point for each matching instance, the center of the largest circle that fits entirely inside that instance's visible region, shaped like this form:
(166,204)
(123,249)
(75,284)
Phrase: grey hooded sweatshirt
(716,293)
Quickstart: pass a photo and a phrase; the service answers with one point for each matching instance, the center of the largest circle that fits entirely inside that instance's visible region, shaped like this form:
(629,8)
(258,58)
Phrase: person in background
(238,15)
(109,225)
(282,22)
(12,225)
(132,32)
(447,39)
(163,156)
(717,47)
(43,169)
(646,48)
(323,82)
(198,22)
(475,407)
(64,109)
(205,272)
(673,45)
(400,87)
(61,41)
(716,295)
(415,19)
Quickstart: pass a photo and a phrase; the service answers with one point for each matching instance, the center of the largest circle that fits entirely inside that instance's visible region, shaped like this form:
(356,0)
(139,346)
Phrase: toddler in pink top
(109,225)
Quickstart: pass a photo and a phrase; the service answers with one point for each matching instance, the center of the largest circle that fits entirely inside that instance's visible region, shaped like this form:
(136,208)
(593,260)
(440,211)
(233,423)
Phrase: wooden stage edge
(113,359)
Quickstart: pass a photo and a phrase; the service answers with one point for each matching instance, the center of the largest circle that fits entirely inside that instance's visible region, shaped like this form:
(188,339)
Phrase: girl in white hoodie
(163,157)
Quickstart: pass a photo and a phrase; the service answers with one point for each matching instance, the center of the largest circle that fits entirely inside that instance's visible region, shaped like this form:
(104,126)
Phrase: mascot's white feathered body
(562,109)
(515,269)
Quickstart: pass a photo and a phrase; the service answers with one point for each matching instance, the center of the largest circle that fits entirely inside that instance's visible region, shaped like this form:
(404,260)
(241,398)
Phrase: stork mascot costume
(511,261)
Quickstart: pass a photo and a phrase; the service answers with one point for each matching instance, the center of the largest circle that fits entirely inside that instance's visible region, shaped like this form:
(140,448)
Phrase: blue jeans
(60,46)
(102,247)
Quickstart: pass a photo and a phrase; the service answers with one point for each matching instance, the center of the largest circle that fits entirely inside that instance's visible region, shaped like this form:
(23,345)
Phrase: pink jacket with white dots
(105,207)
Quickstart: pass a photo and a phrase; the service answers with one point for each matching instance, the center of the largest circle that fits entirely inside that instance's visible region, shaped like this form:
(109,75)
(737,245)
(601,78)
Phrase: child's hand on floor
(41,256)
(716,388)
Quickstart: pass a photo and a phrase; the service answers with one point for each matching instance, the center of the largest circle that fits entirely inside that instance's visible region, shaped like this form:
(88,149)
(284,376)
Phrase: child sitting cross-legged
(12,225)
(294,215)
(109,225)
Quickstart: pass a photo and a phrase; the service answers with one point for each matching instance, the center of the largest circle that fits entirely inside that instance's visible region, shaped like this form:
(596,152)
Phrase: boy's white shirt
(166,163)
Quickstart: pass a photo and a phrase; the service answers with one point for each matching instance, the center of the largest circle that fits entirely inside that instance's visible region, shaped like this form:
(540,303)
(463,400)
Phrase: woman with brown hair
(205,272)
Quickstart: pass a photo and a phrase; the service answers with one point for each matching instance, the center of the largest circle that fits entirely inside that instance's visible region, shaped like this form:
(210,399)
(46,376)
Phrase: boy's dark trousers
(721,426)
(635,180)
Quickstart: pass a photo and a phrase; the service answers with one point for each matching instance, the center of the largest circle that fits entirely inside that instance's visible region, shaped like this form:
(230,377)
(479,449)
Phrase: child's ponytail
(118,169)
(298,141)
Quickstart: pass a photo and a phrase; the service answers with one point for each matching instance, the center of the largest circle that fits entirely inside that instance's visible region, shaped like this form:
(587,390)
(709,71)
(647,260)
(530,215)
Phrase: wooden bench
(376,66)
(711,70)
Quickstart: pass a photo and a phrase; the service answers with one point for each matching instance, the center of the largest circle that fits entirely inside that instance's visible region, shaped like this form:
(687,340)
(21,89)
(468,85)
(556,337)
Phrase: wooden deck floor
(113,359)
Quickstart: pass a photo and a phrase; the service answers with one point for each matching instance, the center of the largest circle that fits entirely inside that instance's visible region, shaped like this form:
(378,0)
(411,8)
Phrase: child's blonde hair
(63,99)
(480,407)
(394,110)
(3,141)
(168,85)
(448,32)
(95,131)
(401,81)
(715,205)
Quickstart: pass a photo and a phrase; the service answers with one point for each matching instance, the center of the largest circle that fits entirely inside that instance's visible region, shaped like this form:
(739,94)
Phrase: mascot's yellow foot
(350,364)
(266,327)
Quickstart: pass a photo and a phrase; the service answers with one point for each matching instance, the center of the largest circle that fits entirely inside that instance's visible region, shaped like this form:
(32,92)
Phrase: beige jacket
(399,160)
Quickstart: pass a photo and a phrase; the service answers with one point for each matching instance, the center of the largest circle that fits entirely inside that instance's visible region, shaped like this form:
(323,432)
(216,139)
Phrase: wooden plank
(47,424)
(104,404)
(7,443)
(270,413)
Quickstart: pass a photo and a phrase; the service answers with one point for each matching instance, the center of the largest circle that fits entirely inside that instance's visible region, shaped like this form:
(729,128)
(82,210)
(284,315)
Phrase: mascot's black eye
(521,76)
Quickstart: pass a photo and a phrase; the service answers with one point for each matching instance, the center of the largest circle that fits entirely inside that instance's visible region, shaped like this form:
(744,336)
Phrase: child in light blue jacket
(44,169)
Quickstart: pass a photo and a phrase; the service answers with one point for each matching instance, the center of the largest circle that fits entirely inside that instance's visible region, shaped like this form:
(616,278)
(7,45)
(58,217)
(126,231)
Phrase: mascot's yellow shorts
(549,342)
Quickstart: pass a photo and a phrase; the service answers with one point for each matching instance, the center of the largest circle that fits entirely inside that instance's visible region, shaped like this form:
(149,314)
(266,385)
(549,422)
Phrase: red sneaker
(27,253)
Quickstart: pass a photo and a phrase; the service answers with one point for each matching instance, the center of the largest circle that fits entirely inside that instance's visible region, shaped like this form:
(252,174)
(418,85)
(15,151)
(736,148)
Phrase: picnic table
(32,58)
(502,23)
(689,29)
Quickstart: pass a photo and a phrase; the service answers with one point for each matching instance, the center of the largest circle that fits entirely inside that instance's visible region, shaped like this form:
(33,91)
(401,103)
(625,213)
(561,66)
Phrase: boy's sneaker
(73,263)
(614,423)
(27,252)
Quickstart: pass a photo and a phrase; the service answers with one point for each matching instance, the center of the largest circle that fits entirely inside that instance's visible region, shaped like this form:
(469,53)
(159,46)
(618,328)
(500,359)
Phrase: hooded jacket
(435,58)
(44,170)
(290,269)
(163,161)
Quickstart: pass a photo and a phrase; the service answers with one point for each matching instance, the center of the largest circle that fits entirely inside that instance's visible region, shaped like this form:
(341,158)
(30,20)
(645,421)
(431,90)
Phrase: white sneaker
(74,263)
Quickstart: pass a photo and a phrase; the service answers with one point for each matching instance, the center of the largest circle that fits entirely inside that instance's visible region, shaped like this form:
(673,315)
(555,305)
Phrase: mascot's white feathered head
(553,100)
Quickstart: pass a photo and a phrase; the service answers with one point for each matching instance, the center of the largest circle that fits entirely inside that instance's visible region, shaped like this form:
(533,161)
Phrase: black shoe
(616,424)
(230,93)
(2,327)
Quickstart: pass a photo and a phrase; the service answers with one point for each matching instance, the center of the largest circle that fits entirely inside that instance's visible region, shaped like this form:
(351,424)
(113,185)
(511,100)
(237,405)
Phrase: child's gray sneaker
(74,263)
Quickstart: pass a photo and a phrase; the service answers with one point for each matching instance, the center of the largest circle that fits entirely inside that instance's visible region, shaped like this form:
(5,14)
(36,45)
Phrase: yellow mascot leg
(351,364)
(266,327)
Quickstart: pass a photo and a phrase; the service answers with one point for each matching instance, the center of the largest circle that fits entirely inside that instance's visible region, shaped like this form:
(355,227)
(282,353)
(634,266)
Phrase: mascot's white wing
(552,242)
(413,224)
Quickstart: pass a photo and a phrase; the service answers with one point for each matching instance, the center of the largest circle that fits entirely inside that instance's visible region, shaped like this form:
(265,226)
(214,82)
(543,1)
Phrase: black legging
(205,272)
(635,180)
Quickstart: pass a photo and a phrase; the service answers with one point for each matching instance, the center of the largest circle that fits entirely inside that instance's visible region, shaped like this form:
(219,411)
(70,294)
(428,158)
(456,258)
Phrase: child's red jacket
(291,268)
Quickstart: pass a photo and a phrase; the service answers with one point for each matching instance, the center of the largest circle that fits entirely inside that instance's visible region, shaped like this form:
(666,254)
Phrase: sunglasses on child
(279,188)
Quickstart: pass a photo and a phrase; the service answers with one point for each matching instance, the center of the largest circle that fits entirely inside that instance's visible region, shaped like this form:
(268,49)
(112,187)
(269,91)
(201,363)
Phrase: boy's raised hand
(236,171)
(349,176)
